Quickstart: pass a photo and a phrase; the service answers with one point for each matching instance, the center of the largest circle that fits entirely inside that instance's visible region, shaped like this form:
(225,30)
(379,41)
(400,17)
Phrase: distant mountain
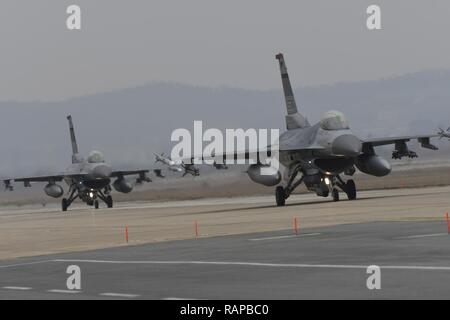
(130,124)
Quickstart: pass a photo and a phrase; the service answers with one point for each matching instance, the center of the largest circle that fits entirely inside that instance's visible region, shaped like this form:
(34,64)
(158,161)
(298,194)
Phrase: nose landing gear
(335,194)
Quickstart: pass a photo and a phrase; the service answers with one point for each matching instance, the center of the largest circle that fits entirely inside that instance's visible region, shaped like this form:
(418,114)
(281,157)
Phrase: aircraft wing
(60,177)
(255,154)
(143,177)
(116,174)
(221,156)
(55,178)
(423,139)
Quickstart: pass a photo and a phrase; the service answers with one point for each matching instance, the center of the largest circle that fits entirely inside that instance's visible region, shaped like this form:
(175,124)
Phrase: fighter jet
(171,164)
(317,155)
(88,179)
(191,169)
(177,166)
(8,185)
(444,134)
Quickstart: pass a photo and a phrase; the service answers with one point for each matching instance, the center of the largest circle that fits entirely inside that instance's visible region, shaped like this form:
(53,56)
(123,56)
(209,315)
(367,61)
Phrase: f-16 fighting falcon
(177,166)
(171,164)
(444,134)
(8,186)
(317,155)
(88,179)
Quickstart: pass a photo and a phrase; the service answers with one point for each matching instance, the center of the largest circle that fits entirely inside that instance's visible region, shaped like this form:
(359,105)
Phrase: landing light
(91,195)
(327,181)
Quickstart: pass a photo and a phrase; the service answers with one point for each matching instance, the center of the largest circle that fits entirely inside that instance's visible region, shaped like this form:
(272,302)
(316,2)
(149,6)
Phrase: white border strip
(420,236)
(119,295)
(63,291)
(286,237)
(18,288)
(25,264)
(257,264)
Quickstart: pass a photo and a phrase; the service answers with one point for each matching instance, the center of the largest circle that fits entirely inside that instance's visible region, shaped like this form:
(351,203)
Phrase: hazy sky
(213,43)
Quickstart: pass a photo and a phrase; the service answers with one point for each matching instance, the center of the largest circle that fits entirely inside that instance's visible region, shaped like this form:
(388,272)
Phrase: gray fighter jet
(8,185)
(177,166)
(444,134)
(317,155)
(88,179)
(169,163)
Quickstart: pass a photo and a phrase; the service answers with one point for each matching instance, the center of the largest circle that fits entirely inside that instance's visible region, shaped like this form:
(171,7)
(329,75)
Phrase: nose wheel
(335,194)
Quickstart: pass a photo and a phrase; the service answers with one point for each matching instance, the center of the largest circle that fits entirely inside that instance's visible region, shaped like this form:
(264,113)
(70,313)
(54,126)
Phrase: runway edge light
(448,222)
(296,226)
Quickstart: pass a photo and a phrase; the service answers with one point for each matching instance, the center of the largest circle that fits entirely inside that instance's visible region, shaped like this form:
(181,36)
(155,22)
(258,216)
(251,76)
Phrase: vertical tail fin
(75,155)
(294,120)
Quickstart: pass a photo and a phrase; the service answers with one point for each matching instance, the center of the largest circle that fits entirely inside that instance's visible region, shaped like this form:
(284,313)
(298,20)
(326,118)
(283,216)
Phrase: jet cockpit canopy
(96,157)
(334,120)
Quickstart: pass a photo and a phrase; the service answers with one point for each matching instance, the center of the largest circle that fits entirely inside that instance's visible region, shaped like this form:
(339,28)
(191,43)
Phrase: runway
(36,231)
(235,248)
(319,263)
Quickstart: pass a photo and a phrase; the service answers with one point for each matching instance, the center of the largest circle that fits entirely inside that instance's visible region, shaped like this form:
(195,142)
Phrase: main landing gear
(330,184)
(281,194)
(348,187)
(65,203)
(90,197)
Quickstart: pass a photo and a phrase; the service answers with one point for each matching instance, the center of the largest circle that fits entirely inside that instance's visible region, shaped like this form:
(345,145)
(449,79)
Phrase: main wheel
(96,204)
(335,195)
(64,204)
(109,201)
(280,196)
(350,189)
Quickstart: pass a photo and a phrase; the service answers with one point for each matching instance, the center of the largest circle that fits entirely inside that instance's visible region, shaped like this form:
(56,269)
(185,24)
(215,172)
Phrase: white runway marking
(258,264)
(63,291)
(25,264)
(119,295)
(424,236)
(18,288)
(286,237)
(177,299)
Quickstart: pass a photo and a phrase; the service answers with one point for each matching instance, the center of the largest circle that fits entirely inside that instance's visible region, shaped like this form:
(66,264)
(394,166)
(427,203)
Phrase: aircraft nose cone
(347,145)
(102,172)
